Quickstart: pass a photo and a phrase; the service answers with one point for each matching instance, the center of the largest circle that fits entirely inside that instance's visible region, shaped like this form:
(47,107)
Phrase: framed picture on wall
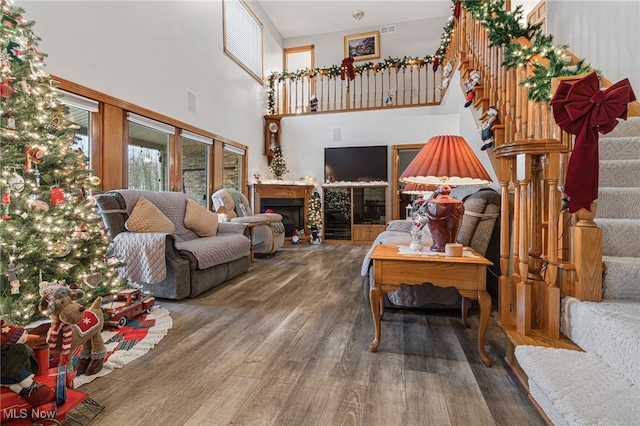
(362,47)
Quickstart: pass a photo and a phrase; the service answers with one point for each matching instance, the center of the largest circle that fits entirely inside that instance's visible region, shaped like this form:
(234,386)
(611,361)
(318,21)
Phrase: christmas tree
(278,166)
(314,216)
(49,229)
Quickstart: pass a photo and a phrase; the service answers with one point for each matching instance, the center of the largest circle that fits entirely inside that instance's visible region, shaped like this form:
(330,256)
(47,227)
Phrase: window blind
(234,149)
(243,36)
(78,101)
(153,124)
(196,137)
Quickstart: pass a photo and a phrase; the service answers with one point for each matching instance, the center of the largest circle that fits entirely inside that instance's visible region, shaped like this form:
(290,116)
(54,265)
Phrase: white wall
(605,33)
(415,38)
(149,53)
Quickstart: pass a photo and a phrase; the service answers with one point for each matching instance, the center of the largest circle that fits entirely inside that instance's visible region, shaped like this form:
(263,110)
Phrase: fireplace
(291,209)
(289,200)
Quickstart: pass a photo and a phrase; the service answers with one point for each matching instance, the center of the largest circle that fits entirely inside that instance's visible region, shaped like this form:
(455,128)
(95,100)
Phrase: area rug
(130,342)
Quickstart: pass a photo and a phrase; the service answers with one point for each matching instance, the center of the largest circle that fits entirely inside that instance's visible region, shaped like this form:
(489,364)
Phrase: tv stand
(353,213)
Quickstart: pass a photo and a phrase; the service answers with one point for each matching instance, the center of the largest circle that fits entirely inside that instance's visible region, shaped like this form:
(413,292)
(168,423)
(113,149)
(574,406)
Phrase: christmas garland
(503,29)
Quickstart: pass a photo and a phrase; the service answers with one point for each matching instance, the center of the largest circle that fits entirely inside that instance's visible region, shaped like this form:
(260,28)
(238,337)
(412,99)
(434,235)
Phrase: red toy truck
(126,305)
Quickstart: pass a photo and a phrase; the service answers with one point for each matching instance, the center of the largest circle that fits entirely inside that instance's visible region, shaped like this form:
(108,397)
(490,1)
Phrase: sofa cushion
(212,251)
(145,217)
(200,220)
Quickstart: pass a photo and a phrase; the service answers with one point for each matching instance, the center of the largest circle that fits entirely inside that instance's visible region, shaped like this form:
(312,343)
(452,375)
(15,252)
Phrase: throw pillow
(146,217)
(200,220)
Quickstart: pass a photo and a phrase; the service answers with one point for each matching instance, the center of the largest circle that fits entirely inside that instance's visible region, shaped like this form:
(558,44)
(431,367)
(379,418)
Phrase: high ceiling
(297,18)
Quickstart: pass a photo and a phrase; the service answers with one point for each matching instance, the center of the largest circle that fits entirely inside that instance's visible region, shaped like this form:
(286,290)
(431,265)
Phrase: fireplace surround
(291,200)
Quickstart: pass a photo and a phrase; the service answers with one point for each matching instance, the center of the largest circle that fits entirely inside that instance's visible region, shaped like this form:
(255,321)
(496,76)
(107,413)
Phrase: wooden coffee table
(466,273)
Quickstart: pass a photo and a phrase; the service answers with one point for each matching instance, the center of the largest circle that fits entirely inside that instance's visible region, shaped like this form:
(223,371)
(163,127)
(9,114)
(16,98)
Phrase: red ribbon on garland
(347,64)
(584,110)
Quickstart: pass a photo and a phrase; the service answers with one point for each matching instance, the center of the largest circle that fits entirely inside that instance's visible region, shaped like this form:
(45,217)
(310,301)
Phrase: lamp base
(444,215)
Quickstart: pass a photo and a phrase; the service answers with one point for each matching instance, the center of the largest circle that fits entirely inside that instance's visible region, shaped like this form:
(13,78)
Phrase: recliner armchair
(267,238)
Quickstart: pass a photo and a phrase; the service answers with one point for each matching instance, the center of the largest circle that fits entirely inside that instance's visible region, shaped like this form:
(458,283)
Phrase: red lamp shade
(418,188)
(446,161)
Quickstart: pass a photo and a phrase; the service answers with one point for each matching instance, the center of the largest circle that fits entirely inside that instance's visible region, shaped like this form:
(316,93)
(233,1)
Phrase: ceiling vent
(388,29)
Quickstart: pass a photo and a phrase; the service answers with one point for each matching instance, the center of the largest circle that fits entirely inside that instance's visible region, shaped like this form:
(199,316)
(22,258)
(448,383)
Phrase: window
(148,153)
(243,37)
(233,169)
(195,160)
(80,109)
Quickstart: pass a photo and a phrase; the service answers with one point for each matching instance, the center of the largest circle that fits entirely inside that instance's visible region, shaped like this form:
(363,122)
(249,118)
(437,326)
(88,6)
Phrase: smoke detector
(357,15)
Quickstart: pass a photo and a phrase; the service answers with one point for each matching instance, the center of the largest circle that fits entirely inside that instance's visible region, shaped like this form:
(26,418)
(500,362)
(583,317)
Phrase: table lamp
(447,161)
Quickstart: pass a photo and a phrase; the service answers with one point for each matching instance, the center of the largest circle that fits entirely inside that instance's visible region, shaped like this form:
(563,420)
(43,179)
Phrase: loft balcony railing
(401,83)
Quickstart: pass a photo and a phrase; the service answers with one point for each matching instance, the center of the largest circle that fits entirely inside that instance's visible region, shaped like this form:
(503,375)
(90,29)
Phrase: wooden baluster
(552,172)
(537,284)
(506,295)
(411,83)
(361,77)
(523,322)
(515,277)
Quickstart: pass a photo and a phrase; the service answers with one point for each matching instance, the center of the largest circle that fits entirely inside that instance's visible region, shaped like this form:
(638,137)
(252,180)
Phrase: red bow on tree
(347,64)
(582,109)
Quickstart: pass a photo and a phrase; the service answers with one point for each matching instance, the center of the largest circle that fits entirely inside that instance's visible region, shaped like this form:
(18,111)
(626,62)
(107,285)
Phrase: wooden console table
(467,274)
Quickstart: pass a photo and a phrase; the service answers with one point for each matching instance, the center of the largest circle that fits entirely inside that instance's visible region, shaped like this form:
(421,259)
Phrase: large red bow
(347,64)
(582,109)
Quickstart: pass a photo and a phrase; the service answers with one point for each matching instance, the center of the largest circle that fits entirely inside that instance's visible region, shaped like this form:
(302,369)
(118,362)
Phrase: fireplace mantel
(267,190)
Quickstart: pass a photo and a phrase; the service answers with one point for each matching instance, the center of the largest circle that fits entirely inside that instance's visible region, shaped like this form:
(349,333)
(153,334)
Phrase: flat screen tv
(355,164)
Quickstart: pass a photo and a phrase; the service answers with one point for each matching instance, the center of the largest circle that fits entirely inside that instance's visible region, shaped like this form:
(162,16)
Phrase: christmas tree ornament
(25,86)
(36,174)
(13,278)
(57,196)
(40,205)
(61,248)
(14,51)
(95,180)
(8,22)
(53,123)
(92,280)
(6,202)
(33,155)
(6,89)
(16,182)
(5,61)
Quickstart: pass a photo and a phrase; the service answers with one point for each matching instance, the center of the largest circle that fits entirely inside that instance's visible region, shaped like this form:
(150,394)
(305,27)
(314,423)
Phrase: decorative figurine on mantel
(278,166)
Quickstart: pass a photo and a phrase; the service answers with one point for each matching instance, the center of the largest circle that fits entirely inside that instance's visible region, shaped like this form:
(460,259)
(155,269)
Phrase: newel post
(587,256)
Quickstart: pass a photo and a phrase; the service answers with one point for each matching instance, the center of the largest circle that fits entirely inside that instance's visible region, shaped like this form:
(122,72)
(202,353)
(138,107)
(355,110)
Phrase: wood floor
(288,344)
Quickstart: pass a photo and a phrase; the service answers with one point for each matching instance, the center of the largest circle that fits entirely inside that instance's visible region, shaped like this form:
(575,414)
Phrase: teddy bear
(18,366)
(72,326)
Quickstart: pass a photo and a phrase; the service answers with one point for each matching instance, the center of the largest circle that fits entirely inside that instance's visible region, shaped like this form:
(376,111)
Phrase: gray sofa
(478,231)
(193,264)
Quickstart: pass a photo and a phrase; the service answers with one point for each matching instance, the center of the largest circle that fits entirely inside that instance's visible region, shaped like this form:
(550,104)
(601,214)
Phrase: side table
(251,226)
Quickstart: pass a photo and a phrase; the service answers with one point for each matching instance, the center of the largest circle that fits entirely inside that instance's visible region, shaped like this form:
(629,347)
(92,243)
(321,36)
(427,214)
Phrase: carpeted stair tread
(620,173)
(578,388)
(621,277)
(618,203)
(631,127)
(609,329)
(623,148)
(620,237)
